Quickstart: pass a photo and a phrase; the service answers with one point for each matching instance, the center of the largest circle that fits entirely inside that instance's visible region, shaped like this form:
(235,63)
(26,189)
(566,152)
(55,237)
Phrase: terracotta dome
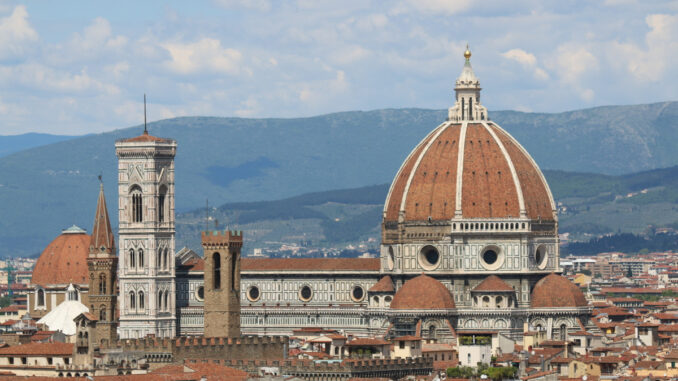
(477,171)
(422,293)
(557,291)
(64,260)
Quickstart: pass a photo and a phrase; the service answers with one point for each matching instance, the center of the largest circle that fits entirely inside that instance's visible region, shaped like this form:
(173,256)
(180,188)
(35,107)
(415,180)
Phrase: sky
(77,67)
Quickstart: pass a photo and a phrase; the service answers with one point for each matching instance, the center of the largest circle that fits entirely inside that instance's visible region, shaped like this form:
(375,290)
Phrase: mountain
(15,143)
(589,205)
(47,188)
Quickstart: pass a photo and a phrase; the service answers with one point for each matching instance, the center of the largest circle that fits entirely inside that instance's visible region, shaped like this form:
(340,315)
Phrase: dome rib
(512,168)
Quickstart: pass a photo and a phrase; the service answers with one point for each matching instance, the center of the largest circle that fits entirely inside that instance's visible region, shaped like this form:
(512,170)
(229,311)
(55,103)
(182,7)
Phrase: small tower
(467,105)
(222,283)
(103,266)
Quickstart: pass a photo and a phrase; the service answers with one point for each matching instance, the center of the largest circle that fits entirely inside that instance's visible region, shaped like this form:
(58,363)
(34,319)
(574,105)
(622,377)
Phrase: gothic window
(132,259)
(102,313)
(563,332)
(141,258)
(162,199)
(132,301)
(166,302)
(158,260)
(41,298)
(233,274)
(432,332)
(102,284)
(137,204)
(216,271)
(165,260)
(160,300)
(141,300)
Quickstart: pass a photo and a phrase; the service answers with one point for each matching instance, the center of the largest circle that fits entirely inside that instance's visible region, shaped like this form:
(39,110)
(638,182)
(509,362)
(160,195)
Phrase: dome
(64,260)
(422,293)
(555,290)
(469,170)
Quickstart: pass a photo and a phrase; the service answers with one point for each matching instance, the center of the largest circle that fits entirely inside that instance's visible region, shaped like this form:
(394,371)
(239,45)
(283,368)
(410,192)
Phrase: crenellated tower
(102,263)
(146,220)
(222,283)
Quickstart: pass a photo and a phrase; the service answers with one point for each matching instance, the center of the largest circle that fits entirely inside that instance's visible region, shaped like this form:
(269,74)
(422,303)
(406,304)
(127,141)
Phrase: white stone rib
(514,174)
(460,169)
(390,189)
(534,163)
(437,132)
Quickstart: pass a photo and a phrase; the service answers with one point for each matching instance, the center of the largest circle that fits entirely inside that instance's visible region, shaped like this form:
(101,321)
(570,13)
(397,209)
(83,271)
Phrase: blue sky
(74,67)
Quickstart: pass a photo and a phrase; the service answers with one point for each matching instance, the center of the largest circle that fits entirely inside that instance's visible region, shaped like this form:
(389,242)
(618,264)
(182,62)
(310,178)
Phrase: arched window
(162,199)
(233,274)
(158,259)
(141,258)
(132,259)
(463,108)
(470,108)
(41,297)
(432,332)
(563,332)
(216,273)
(137,204)
(166,302)
(102,284)
(102,313)
(132,301)
(165,259)
(141,300)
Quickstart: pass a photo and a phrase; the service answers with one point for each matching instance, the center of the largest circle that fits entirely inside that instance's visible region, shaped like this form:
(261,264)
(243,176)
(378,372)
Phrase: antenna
(207,215)
(145,129)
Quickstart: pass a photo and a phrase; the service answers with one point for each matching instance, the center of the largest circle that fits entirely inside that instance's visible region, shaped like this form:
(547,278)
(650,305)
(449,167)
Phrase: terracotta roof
(423,293)
(36,349)
(63,261)
(145,137)
(102,234)
(385,284)
(406,338)
(361,342)
(310,264)
(426,184)
(557,291)
(193,264)
(493,283)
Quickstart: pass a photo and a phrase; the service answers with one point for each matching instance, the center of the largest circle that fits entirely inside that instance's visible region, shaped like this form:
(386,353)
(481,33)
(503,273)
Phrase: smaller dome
(64,260)
(422,293)
(556,291)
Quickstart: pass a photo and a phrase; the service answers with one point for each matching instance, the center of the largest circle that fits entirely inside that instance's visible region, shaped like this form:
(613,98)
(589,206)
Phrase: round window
(391,258)
(492,258)
(253,294)
(541,257)
(357,293)
(305,293)
(429,257)
(200,293)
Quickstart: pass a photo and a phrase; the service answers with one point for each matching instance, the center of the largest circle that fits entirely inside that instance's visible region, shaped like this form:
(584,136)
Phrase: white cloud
(528,60)
(16,33)
(259,5)
(205,54)
(40,77)
(448,7)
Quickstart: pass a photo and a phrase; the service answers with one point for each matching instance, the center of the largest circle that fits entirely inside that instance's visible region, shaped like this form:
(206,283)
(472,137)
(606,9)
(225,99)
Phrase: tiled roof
(493,283)
(406,338)
(37,349)
(557,291)
(423,293)
(361,342)
(63,261)
(426,184)
(310,264)
(145,138)
(385,284)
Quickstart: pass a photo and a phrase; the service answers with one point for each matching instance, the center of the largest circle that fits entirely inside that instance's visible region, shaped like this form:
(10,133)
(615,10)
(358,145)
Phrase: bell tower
(146,219)
(222,283)
(102,263)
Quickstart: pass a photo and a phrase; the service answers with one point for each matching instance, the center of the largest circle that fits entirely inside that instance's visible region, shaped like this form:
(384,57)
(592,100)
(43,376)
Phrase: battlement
(221,238)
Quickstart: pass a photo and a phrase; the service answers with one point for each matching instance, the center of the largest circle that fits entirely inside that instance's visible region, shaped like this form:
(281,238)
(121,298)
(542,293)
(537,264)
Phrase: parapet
(226,238)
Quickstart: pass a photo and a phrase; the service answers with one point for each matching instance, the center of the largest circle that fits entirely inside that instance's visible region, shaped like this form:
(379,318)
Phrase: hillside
(16,143)
(47,188)
(590,205)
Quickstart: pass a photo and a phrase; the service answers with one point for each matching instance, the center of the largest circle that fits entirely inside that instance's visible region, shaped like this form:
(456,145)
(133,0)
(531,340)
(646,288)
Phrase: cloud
(205,54)
(40,77)
(258,5)
(528,60)
(448,7)
(16,33)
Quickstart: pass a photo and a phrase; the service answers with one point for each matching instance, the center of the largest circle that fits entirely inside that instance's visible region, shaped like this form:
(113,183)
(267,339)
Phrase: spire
(467,105)
(102,240)
(145,128)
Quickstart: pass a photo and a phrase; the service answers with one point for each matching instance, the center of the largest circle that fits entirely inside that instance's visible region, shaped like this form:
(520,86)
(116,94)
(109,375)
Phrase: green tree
(5,301)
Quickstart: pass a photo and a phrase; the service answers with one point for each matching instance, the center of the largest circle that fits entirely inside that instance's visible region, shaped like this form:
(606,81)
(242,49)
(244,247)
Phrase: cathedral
(469,242)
